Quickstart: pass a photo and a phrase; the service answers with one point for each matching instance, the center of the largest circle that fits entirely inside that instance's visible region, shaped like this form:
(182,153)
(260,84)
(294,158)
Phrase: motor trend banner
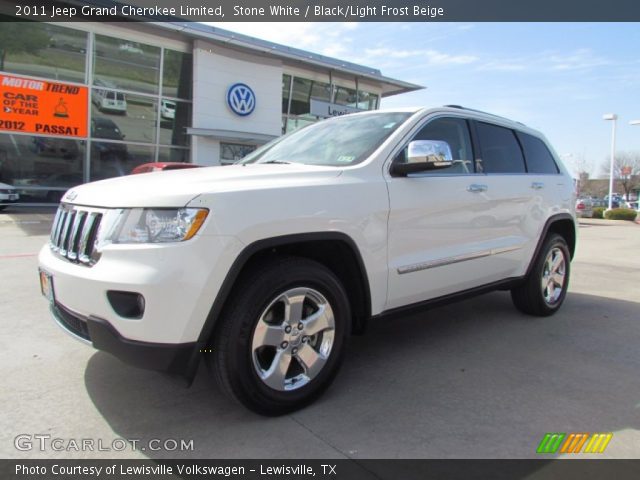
(47,108)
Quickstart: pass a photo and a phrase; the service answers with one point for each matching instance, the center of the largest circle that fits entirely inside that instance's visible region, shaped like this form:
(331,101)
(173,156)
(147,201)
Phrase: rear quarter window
(501,152)
(537,155)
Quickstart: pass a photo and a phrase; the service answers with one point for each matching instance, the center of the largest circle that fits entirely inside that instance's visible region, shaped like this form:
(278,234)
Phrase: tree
(18,37)
(626,170)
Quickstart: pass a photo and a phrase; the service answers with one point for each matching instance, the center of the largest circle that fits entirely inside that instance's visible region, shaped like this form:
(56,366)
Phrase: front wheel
(281,339)
(545,288)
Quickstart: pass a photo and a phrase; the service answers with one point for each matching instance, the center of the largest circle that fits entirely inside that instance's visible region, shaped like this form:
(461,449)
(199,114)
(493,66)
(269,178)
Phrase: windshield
(337,142)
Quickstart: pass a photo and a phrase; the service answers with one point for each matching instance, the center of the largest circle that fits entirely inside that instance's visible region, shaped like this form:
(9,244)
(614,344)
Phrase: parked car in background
(8,195)
(105,128)
(56,147)
(131,48)
(168,109)
(160,166)
(108,100)
(584,207)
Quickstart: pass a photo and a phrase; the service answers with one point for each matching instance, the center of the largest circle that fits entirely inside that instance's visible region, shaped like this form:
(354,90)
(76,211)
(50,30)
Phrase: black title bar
(325,10)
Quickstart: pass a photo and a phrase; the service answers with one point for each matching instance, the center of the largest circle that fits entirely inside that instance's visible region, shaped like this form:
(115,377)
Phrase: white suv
(264,268)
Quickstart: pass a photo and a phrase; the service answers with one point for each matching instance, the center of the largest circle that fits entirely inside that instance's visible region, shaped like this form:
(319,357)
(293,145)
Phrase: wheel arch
(564,225)
(335,250)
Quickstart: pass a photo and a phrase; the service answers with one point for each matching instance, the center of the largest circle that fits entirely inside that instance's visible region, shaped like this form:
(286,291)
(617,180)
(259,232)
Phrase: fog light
(127,304)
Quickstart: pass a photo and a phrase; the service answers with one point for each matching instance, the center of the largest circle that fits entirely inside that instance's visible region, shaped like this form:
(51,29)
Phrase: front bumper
(179,283)
(172,358)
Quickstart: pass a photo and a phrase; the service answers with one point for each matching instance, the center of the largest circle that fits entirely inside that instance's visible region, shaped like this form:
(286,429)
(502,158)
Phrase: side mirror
(424,155)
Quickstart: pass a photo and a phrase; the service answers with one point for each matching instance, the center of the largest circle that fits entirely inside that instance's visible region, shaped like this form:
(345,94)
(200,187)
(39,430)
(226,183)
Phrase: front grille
(71,321)
(74,234)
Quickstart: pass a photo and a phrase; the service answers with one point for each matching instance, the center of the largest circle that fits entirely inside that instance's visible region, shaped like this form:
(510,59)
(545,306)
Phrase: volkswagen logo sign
(241,99)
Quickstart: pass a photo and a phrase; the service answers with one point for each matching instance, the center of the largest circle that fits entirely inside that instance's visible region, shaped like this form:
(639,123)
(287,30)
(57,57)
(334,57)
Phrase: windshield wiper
(276,161)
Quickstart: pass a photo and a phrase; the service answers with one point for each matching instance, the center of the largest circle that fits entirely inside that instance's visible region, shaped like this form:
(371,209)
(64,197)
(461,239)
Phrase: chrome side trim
(457,259)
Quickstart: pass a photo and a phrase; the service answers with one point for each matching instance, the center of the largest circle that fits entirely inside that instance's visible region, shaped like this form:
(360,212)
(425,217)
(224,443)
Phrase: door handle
(477,188)
(537,185)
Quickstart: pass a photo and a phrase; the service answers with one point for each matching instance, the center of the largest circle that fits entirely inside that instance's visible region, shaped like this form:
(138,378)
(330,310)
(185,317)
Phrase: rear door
(436,231)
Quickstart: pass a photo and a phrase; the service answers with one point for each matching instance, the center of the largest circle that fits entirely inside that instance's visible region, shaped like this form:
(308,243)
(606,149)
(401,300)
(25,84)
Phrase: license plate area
(46,286)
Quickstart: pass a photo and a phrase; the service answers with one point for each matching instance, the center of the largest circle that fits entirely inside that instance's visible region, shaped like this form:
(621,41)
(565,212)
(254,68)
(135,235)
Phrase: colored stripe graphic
(574,443)
(551,442)
(598,442)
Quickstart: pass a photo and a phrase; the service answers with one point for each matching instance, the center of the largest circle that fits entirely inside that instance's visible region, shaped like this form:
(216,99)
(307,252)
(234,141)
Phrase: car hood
(177,188)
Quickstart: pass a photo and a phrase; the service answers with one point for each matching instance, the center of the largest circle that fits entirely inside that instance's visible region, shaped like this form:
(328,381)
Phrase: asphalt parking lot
(475,379)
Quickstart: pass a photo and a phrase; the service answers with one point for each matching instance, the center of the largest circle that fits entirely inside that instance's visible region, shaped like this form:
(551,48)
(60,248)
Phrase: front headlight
(151,225)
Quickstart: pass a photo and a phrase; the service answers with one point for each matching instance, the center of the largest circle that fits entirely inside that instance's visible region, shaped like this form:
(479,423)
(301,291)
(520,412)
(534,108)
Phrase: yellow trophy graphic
(61,109)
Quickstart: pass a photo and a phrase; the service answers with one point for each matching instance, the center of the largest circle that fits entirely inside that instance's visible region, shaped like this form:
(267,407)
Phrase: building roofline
(390,86)
(226,37)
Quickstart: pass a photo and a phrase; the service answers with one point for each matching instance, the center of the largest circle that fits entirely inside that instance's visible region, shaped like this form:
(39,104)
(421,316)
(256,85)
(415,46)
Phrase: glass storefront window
(41,168)
(346,96)
(286,89)
(175,117)
(110,159)
(166,154)
(300,96)
(177,75)
(126,65)
(367,101)
(43,50)
(321,91)
(120,116)
(232,152)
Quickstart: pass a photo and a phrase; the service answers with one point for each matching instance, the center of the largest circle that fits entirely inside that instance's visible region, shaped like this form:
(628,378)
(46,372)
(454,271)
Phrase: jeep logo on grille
(71,196)
(241,99)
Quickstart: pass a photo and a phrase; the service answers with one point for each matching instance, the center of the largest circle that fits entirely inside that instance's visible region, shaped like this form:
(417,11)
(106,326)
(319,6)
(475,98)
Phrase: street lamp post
(636,122)
(613,117)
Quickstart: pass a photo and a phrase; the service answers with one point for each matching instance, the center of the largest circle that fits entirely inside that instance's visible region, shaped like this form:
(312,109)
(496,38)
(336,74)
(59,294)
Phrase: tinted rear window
(537,155)
(501,152)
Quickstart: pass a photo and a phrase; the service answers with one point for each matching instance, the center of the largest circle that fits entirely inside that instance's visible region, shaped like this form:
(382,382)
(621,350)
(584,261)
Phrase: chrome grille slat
(72,250)
(65,233)
(87,240)
(73,234)
(54,227)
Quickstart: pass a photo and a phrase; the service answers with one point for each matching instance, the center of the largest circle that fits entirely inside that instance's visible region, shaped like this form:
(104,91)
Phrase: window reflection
(166,154)
(126,65)
(41,168)
(116,159)
(138,124)
(345,96)
(232,152)
(42,50)
(177,77)
(175,117)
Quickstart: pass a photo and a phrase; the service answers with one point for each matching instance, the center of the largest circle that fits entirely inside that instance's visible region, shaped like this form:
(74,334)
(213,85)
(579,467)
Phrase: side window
(501,151)
(537,155)
(455,132)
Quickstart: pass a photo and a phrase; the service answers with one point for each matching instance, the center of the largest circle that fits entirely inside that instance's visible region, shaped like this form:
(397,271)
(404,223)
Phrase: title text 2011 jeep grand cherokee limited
(265,267)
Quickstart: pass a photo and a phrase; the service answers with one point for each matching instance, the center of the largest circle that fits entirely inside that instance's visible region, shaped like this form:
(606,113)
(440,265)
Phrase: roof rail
(484,113)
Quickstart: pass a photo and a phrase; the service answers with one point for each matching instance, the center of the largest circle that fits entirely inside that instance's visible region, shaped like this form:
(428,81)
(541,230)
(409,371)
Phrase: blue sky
(557,77)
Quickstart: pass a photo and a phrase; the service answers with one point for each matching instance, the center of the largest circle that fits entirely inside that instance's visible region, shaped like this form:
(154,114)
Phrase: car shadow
(475,379)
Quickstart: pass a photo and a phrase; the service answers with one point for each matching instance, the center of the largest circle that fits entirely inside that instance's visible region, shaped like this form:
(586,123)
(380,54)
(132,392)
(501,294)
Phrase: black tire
(258,295)
(530,297)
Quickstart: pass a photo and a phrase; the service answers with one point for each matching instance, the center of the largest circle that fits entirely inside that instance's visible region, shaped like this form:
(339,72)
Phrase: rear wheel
(281,339)
(545,288)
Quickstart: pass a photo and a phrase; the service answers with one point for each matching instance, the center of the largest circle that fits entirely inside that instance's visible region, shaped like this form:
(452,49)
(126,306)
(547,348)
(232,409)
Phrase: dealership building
(88,101)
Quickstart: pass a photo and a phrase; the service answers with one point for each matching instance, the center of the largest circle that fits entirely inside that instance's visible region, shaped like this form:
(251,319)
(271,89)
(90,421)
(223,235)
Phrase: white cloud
(426,57)
(331,39)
